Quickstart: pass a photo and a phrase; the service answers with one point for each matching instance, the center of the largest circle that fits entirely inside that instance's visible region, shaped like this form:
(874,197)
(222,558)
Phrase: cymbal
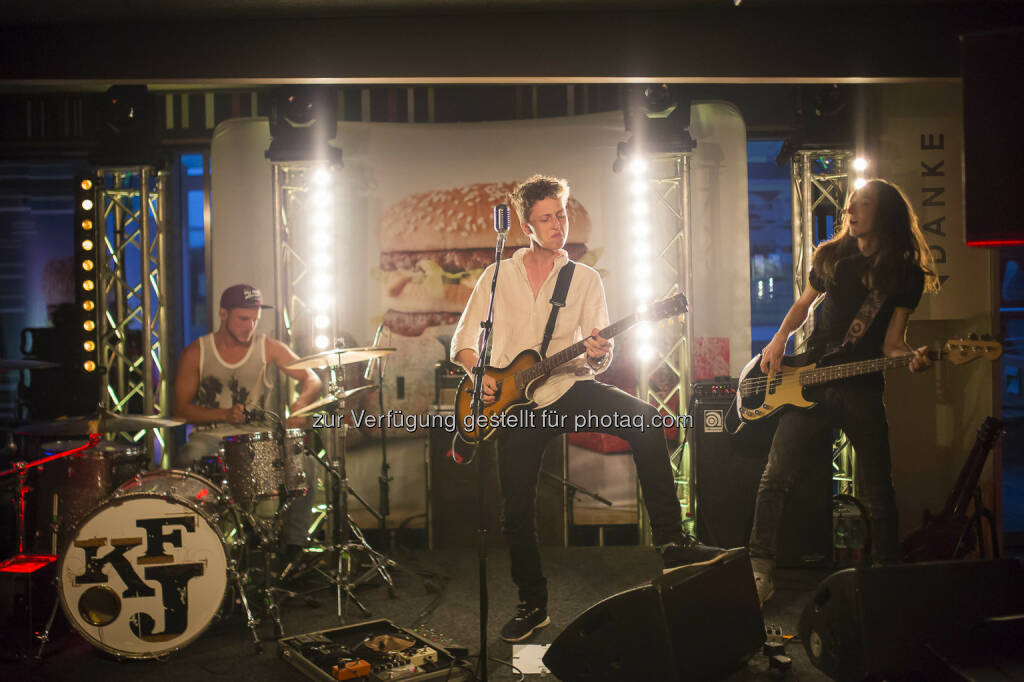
(106,422)
(330,399)
(6,364)
(336,357)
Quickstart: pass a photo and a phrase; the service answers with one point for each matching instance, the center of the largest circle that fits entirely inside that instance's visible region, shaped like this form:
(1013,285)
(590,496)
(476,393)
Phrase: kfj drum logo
(144,575)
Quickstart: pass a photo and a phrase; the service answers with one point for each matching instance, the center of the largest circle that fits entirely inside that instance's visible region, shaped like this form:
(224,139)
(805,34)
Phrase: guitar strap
(873,302)
(557,303)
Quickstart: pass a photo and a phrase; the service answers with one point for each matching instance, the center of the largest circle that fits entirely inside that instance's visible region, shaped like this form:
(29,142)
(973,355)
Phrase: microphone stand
(482,361)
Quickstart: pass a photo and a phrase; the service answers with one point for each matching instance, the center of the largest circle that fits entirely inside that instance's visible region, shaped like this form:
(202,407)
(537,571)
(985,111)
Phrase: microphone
(368,374)
(501,218)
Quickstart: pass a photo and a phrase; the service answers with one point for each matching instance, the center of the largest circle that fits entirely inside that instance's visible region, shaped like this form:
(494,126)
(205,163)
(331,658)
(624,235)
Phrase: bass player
(526,286)
(873,272)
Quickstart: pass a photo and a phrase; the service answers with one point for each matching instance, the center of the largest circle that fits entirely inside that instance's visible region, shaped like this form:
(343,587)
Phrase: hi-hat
(105,422)
(6,364)
(330,399)
(336,357)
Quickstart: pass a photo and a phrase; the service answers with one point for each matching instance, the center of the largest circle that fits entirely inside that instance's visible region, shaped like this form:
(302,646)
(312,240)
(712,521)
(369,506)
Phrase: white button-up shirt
(520,319)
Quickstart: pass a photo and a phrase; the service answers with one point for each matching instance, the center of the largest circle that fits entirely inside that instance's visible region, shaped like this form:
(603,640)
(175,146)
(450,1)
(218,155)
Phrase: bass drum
(146,572)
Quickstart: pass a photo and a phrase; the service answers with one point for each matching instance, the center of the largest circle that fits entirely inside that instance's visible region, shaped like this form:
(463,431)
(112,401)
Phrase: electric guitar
(760,396)
(518,380)
(951,533)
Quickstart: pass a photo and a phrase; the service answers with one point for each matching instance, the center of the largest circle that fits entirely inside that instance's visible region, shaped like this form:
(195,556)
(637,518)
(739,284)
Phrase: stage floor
(577,576)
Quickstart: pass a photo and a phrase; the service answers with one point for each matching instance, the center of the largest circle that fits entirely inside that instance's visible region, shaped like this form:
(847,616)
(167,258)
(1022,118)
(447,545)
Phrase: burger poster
(414,226)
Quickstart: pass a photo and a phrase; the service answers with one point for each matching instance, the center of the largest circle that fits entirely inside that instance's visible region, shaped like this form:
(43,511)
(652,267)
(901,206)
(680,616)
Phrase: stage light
(87,184)
(89,346)
(321,321)
(88,305)
(638,188)
(645,331)
(87,265)
(321,259)
(322,198)
(321,342)
(88,325)
(88,285)
(642,291)
(638,166)
(641,250)
(86,224)
(644,353)
(321,302)
(859,182)
(641,228)
(321,176)
(87,244)
(321,280)
(87,204)
(641,209)
(322,238)
(321,220)
(860,164)
(89,366)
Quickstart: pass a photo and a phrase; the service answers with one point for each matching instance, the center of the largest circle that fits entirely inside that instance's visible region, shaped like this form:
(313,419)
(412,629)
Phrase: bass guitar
(517,380)
(760,396)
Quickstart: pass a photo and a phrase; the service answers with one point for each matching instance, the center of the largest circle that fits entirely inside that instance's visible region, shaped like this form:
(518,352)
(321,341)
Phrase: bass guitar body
(508,396)
(760,397)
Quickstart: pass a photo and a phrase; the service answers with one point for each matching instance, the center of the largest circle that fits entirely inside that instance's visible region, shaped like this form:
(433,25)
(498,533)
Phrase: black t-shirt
(844,297)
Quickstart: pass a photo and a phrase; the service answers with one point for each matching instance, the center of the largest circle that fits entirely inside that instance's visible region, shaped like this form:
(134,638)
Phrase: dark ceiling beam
(745,44)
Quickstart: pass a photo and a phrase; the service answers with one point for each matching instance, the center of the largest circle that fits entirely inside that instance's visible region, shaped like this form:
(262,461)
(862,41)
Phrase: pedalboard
(374,651)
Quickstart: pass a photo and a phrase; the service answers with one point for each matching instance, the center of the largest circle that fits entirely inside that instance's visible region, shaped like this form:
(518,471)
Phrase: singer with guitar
(527,285)
(224,373)
(873,273)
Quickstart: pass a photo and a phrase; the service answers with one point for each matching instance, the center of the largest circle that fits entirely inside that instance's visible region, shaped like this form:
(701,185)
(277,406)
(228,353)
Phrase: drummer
(224,374)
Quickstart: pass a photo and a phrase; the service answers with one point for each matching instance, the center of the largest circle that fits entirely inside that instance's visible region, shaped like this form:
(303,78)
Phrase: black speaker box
(27,596)
(879,621)
(452,507)
(728,471)
(697,622)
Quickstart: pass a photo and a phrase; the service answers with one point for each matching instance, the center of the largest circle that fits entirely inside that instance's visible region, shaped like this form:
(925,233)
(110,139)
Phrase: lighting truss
(304,234)
(132,304)
(821,182)
(666,354)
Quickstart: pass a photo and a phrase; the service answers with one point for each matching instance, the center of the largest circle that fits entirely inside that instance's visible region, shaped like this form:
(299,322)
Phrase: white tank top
(223,384)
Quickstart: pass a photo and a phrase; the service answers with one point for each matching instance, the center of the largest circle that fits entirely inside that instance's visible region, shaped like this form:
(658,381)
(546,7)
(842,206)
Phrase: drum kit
(148,560)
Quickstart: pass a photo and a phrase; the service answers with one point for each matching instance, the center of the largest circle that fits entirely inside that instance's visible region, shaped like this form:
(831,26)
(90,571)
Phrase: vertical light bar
(643,256)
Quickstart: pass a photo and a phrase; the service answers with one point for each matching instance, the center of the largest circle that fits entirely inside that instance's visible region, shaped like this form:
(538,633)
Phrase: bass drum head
(143,575)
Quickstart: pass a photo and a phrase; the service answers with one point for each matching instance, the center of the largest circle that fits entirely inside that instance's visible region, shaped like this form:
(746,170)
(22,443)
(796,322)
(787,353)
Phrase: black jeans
(520,451)
(860,413)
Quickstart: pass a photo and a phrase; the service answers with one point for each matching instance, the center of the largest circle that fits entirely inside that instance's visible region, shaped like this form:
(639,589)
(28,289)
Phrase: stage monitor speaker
(877,621)
(697,622)
(993,145)
(728,471)
(453,503)
(27,596)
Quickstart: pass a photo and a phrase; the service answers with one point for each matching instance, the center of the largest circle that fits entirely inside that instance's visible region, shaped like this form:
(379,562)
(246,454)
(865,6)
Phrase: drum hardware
(11,364)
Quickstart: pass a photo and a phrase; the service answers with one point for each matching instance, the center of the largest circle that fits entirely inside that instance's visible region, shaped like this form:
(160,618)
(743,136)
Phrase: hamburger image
(433,247)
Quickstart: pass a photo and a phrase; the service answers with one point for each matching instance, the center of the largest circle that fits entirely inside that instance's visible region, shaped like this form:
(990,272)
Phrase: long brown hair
(900,242)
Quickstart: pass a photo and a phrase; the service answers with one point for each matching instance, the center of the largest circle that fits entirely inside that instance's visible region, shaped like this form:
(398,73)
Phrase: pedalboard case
(373,651)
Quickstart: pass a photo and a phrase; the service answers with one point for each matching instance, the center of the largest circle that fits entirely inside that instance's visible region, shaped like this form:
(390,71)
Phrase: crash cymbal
(336,357)
(330,400)
(6,364)
(106,422)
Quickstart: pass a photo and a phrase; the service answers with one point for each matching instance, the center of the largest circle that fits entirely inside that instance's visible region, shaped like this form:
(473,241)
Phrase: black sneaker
(685,550)
(527,620)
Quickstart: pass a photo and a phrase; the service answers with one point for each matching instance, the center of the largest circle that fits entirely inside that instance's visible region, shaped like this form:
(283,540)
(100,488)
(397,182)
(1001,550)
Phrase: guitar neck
(548,365)
(823,375)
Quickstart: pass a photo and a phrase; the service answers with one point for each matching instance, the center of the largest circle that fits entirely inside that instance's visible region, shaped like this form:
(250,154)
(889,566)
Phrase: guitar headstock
(964,350)
(669,306)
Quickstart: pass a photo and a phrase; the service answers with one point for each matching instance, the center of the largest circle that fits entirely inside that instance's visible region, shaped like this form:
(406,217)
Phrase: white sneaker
(765,586)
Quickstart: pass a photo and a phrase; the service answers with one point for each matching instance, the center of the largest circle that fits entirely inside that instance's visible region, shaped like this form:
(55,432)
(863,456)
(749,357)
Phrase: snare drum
(146,572)
(258,468)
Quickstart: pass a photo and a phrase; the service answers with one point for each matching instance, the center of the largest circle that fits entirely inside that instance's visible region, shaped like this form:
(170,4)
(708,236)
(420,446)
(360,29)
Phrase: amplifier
(447,376)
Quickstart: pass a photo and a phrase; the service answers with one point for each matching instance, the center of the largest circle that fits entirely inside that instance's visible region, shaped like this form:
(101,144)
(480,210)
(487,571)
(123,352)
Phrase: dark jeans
(520,451)
(860,413)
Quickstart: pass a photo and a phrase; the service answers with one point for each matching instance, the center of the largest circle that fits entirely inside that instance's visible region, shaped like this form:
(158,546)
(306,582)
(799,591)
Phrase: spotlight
(644,352)
(641,250)
(321,280)
(645,331)
(88,285)
(321,302)
(88,325)
(87,224)
(321,219)
(87,244)
(638,166)
(321,259)
(87,184)
(89,346)
(322,198)
(87,265)
(88,305)
(641,228)
(89,366)
(860,164)
(321,176)
(86,205)
(321,321)
(641,209)
(642,292)
(321,342)
(638,188)
(859,182)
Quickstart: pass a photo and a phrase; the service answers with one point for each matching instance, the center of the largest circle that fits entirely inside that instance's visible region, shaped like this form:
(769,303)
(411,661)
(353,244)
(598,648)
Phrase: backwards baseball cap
(242,296)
